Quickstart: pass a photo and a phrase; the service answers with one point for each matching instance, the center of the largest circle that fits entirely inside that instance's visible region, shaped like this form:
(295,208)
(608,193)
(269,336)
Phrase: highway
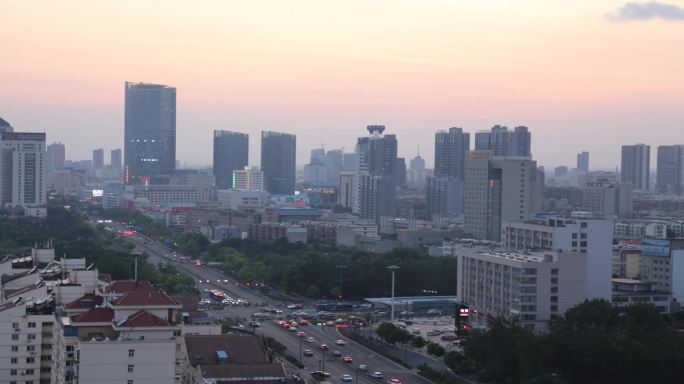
(209,278)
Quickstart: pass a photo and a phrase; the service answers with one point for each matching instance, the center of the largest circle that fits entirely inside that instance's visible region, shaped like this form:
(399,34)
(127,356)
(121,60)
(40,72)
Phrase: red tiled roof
(95,315)
(125,286)
(87,301)
(144,319)
(144,298)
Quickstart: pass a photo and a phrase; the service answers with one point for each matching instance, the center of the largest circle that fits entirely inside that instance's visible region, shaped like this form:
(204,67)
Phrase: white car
(376,375)
(347,378)
(363,367)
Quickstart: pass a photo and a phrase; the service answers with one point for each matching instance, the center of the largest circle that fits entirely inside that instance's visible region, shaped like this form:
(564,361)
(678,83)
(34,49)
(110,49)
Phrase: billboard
(651,247)
(98,192)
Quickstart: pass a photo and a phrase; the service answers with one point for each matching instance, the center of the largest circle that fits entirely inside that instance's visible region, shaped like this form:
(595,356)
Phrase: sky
(582,75)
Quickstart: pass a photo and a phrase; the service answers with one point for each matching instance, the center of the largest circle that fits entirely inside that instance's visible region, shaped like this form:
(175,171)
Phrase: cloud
(646,11)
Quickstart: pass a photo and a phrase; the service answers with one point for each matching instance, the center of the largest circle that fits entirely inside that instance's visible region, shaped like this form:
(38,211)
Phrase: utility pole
(135,268)
(393,269)
(341,268)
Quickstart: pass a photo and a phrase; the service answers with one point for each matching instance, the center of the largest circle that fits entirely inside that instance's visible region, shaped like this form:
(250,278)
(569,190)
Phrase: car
(434,332)
(308,352)
(303,322)
(340,342)
(363,367)
(347,378)
(376,375)
(292,328)
(310,339)
(347,359)
(336,353)
(254,324)
(449,337)
(393,381)
(301,334)
(323,347)
(320,374)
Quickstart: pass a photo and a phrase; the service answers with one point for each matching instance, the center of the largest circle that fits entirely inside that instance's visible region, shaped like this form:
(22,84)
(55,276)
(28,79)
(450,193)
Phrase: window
(554,308)
(30,360)
(554,289)
(574,235)
(13,372)
(554,271)
(131,368)
(15,337)
(583,236)
(15,348)
(15,325)
(583,225)
(30,371)
(14,360)
(131,353)
(130,382)
(554,299)
(554,280)
(31,324)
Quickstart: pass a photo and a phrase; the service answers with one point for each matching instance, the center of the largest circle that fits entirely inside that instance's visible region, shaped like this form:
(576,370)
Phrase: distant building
(56,157)
(670,170)
(636,163)
(498,190)
(98,162)
(150,131)
(608,199)
(115,162)
(444,190)
(249,178)
(377,161)
(347,187)
(400,174)
(583,161)
(23,175)
(502,142)
(632,291)
(278,158)
(231,153)
(561,170)
(236,199)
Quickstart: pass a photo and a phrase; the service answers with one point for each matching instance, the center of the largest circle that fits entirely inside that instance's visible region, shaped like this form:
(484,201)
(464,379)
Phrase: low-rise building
(632,291)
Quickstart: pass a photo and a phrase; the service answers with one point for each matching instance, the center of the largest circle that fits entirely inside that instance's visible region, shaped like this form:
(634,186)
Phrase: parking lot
(434,329)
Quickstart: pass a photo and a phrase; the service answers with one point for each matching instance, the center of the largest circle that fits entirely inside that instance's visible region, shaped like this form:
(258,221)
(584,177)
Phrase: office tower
(560,171)
(333,161)
(377,161)
(231,152)
(349,161)
(115,162)
(608,199)
(444,190)
(278,151)
(347,189)
(416,171)
(670,170)
(400,175)
(498,189)
(98,159)
(636,161)
(248,179)
(5,126)
(55,157)
(317,154)
(22,169)
(502,142)
(314,173)
(150,131)
(583,161)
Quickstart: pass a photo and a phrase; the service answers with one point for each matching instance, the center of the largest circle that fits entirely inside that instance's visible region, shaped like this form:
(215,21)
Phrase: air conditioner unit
(17,329)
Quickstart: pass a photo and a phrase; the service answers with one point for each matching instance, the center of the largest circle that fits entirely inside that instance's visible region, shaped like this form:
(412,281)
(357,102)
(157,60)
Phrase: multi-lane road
(209,278)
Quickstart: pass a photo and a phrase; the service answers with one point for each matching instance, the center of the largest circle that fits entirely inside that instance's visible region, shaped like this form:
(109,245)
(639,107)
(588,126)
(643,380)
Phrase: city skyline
(423,67)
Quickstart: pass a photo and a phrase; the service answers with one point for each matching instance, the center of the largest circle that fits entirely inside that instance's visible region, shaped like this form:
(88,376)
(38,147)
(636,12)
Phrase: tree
(418,342)
(336,292)
(435,349)
(313,292)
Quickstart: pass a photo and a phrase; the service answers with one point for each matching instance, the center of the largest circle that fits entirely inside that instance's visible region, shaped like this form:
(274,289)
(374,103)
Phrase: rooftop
(95,315)
(241,350)
(145,298)
(144,319)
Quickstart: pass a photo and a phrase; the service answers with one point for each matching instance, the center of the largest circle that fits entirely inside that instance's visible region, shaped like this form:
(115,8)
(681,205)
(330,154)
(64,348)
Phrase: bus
(198,263)
(217,295)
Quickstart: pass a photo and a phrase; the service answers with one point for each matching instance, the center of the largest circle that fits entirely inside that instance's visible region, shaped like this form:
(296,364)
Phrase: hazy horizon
(582,76)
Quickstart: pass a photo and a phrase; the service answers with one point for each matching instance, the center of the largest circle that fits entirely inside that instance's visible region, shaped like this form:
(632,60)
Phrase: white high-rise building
(22,169)
(582,233)
(498,189)
(249,179)
(535,287)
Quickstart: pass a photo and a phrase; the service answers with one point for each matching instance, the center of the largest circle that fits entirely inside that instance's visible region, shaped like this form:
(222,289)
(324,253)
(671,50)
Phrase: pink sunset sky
(582,75)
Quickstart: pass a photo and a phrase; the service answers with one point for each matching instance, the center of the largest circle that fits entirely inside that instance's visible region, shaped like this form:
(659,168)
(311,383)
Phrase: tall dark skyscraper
(115,163)
(98,159)
(278,159)
(231,152)
(583,161)
(150,131)
(444,191)
(670,173)
(635,170)
(502,142)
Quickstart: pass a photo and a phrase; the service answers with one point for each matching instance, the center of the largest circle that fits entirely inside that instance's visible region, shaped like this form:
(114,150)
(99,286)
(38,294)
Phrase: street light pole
(392,268)
(300,349)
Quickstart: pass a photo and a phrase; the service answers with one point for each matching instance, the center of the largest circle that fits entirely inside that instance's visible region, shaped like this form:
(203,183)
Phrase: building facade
(444,190)
(583,161)
(278,159)
(636,163)
(150,131)
(377,161)
(502,142)
(231,153)
(23,176)
(250,178)
(670,170)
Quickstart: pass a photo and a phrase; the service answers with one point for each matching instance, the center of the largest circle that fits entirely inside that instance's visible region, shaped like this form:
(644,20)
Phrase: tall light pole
(392,268)
(341,269)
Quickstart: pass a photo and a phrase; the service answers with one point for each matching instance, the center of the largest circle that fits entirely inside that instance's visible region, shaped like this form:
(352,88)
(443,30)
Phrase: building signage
(652,247)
